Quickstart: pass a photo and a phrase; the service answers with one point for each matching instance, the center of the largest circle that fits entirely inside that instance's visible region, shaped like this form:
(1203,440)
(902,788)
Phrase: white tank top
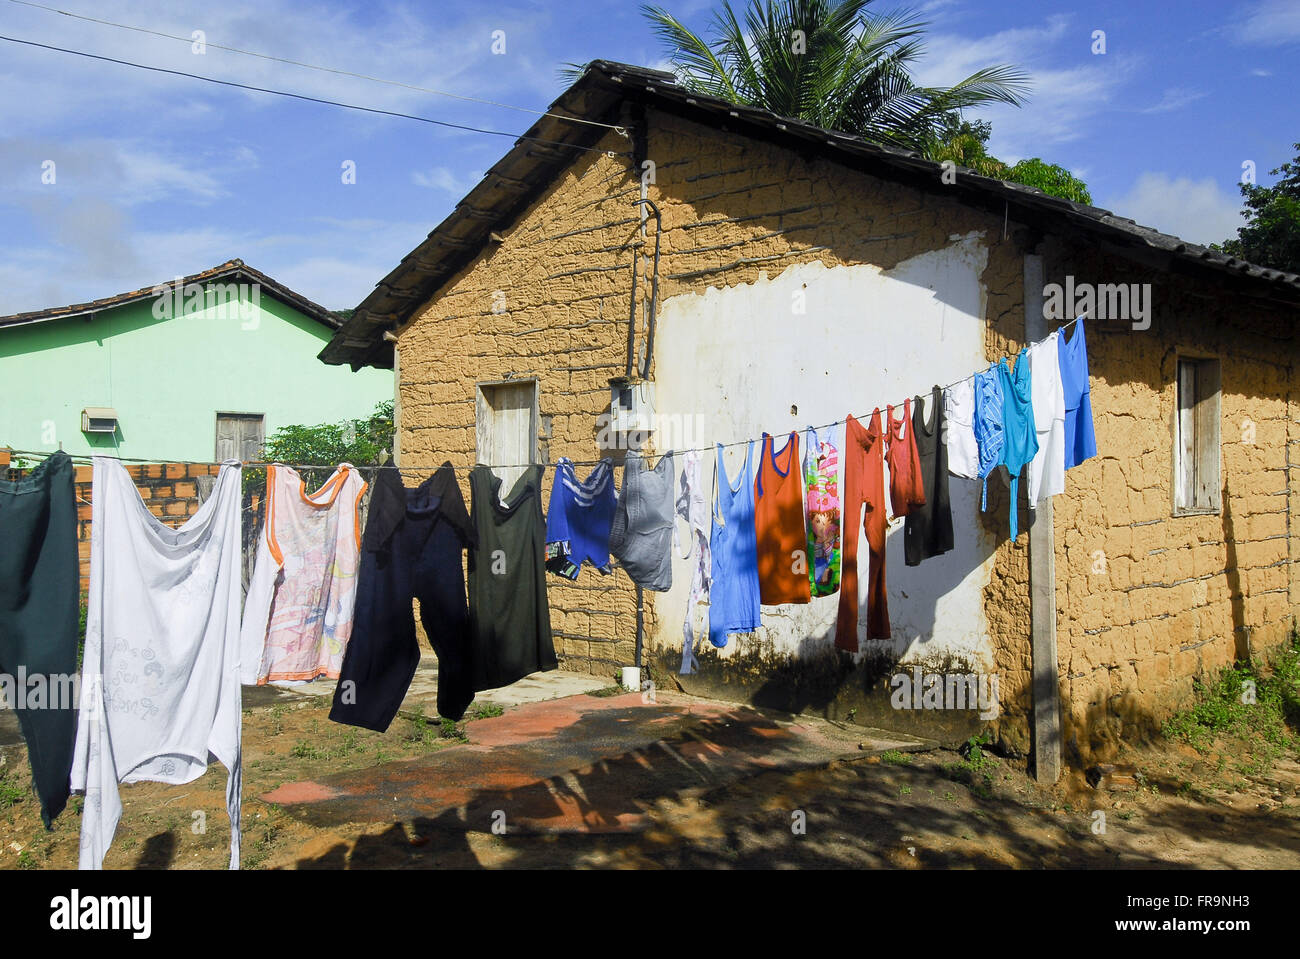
(301,599)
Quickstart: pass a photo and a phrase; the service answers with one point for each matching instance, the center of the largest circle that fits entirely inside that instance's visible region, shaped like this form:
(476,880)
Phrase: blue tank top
(733,600)
(1080,443)
(1019,437)
(988,427)
(579,518)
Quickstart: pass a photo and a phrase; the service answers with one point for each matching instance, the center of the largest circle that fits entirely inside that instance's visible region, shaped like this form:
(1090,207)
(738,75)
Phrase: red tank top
(906,486)
(779,525)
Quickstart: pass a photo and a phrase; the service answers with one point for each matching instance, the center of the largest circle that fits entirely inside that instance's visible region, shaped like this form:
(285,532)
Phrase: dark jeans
(39,591)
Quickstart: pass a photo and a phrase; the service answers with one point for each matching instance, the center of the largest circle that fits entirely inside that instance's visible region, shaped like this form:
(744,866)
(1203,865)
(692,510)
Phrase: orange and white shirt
(301,599)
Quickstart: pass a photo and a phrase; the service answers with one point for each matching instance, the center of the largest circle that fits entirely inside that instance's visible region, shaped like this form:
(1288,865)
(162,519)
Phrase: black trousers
(412,550)
(39,593)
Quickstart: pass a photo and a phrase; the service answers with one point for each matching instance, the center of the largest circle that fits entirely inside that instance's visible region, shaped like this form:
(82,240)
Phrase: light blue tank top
(733,599)
(1019,437)
(988,427)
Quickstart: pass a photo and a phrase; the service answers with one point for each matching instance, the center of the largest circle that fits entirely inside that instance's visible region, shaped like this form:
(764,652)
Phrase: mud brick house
(804,274)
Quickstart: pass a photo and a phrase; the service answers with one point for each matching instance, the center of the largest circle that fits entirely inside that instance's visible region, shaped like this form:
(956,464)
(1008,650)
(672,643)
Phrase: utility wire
(303,96)
(424,471)
(312,66)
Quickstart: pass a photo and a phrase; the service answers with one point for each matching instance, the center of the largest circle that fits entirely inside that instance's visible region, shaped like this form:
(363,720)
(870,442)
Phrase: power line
(303,96)
(313,66)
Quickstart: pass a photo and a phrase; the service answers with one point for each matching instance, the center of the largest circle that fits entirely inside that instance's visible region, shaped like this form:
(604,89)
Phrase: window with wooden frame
(240,436)
(1196,436)
(506,423)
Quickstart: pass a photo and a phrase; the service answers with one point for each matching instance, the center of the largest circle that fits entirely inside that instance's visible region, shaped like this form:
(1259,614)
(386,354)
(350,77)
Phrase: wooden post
(1042,580)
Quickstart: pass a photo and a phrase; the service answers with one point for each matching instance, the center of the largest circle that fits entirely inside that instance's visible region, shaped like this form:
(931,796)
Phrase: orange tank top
(906,485)
(779,525)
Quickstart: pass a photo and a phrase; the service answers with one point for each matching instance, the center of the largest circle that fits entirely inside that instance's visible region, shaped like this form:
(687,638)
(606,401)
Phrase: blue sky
(158,175)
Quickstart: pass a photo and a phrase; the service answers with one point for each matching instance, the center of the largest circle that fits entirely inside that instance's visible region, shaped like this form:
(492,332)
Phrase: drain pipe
(654,288)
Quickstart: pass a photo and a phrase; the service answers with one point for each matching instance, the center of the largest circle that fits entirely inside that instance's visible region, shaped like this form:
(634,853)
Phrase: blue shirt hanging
(988,427)
(579,519)
(1080,442)
(1019,437)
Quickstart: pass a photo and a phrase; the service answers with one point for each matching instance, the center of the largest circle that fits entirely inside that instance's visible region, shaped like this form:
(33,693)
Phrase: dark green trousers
(39,594)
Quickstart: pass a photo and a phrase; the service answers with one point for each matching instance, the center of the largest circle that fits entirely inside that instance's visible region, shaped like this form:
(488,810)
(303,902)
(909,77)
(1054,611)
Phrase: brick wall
(1148,600)
(169,491)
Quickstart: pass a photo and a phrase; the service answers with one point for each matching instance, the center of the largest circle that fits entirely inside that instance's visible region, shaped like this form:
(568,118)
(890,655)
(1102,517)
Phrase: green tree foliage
(367,442)
(830,63)
(1050,178)
(964,142)
(1271,236)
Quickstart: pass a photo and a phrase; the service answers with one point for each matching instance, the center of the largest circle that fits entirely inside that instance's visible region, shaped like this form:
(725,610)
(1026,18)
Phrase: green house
(202,368)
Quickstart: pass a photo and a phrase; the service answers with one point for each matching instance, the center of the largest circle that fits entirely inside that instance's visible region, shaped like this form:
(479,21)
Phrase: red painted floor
(584,763)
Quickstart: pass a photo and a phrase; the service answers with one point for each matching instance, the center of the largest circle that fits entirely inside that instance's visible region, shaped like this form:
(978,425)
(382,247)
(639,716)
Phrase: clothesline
(422,471)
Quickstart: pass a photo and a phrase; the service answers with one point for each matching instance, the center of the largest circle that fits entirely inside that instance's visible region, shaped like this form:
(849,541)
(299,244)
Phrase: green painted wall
(168,378)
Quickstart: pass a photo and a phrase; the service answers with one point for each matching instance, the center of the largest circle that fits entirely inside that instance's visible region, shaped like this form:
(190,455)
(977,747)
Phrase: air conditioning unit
(99,419)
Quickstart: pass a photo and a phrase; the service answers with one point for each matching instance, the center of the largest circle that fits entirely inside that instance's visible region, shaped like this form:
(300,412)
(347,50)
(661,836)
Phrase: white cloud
(96,254)
(950,57)
(121,170)
(398,42)
(442,178)
(1196,210)
(1175,98)
(1269,23)
(1062,100)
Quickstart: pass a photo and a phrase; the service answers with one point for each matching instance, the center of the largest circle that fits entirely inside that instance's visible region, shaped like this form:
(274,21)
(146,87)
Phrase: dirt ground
(1225,806)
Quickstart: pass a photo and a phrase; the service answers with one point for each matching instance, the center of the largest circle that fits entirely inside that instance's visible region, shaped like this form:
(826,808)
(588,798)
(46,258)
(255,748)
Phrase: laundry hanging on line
(160,677)
(1002,416)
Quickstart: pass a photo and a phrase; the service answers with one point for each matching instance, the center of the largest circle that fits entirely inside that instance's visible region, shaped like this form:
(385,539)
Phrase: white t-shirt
(959,425)
(160,693)
(1047,469)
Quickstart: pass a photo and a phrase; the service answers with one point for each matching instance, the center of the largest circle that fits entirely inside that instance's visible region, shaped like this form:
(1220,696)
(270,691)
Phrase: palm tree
(829,63)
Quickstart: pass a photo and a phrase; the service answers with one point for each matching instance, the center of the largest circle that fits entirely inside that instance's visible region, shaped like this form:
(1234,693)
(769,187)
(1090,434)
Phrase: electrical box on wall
(631,408)
(99,419)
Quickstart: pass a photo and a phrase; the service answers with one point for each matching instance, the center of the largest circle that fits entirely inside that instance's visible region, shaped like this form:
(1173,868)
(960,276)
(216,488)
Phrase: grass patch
(450,729)
(892,757)
(261,850)
(976,768)
(608,691)
(278,712)
(12,791)
(485,711)
(305,750)
(1248,702)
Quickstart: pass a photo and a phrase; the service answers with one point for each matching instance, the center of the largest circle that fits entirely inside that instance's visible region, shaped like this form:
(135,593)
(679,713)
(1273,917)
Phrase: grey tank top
(641,536)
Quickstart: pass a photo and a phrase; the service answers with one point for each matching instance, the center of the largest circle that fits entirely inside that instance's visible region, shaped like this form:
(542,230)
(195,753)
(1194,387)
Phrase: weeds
(450,729)
(1246,702)
(977,768)
(261,848)
(12,791)
(305,750)
(278,712)
(485,711)
(892,757)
